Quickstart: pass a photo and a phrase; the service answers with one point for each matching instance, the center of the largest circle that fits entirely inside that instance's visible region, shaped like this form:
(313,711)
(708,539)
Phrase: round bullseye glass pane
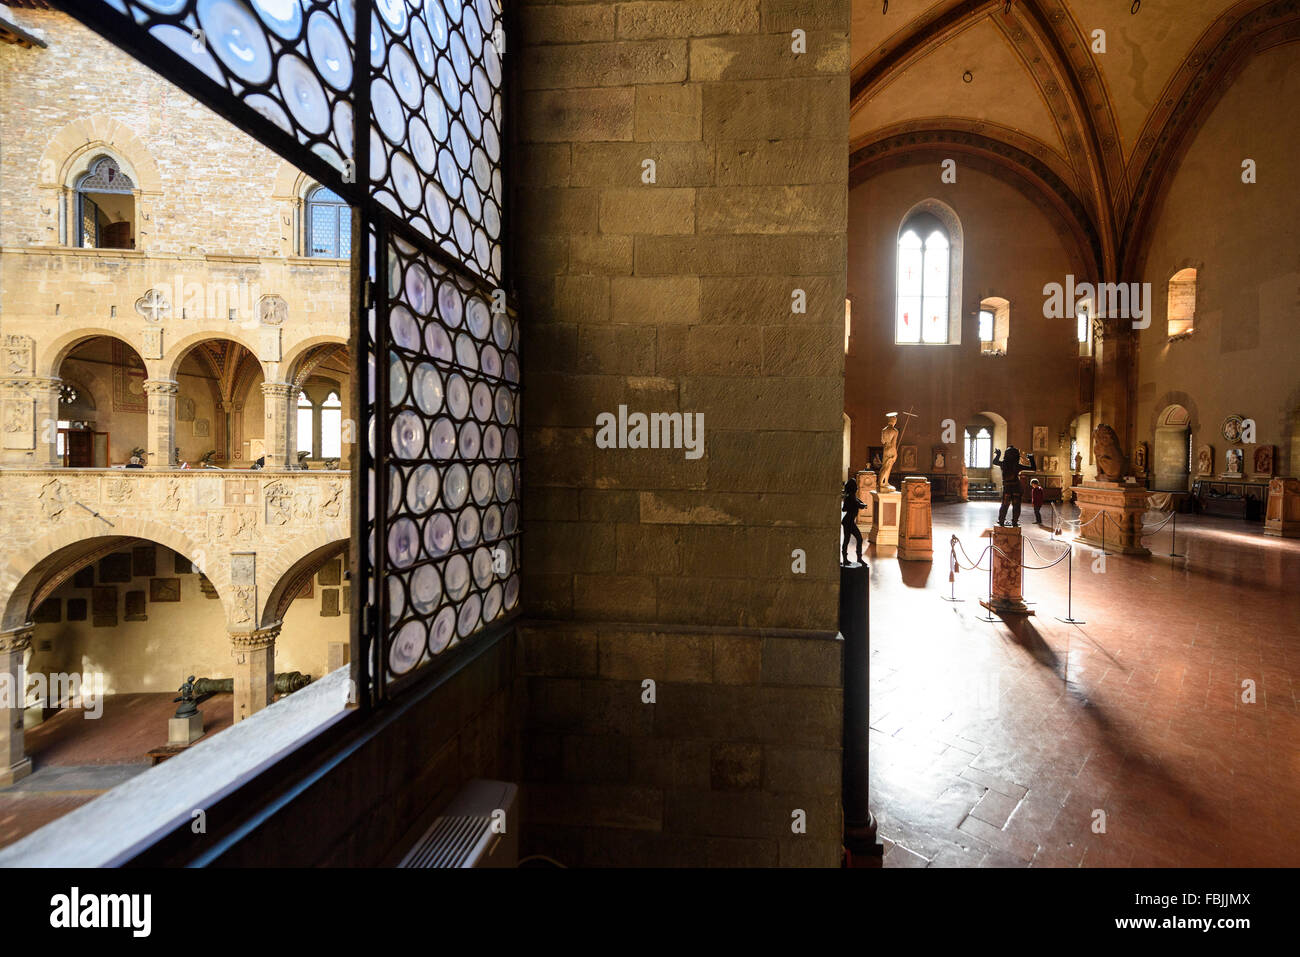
(455,577)
(457,396)
(408,435)
(455,486)
(481,484)
(406,648)
(303,94)
(442,440)
(427,388)
(329,50)
(422,490)
(426,589)
(403,543)
(443,630)
(467,528)
(237,39)
(438,535)
(468,618)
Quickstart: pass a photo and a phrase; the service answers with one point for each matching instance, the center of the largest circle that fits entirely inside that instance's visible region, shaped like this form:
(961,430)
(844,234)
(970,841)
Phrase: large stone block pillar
(14,764)
(276,398)
(161,442)
(254,654)
(29,418)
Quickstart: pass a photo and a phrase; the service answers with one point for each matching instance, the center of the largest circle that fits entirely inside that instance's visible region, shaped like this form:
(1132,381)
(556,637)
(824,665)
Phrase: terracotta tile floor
(1010,745)
(75,760)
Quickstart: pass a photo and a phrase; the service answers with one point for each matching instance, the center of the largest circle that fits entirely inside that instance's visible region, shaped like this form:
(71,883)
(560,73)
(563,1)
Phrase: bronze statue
(188,705)
(849,522)
(1012,493)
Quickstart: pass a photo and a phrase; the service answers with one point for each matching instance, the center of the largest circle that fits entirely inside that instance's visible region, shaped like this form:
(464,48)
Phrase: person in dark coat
(1012,495)
(1036,499)
(850,508)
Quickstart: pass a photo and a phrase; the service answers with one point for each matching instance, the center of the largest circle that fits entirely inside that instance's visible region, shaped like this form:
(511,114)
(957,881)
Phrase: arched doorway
(1172,452)
(103,407)
(219,413)
(983,433)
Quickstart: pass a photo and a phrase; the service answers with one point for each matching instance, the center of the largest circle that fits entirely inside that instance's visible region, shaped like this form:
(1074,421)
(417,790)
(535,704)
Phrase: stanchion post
(952,572)
(1069,593)
(859,823)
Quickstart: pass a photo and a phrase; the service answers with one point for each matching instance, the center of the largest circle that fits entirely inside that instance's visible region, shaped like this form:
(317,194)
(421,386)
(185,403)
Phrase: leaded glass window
(329,225)
(408,136)
(921,295)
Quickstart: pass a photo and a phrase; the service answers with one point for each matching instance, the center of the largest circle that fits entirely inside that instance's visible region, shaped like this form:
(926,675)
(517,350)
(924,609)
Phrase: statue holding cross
(889,438)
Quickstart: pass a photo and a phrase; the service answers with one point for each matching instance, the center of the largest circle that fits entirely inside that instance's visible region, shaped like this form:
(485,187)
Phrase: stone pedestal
(885,509)
(1282,516)
(1117,506)
(1008,597)
(14,764)
(254,654)
(915,538)
(182,732)
(866,485)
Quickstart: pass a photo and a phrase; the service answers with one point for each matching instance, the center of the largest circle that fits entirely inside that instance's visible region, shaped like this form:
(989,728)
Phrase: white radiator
(480,828)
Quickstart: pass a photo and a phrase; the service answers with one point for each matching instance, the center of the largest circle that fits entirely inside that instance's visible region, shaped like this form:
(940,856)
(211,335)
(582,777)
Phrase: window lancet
(104,207)
(928,278)
(329,225)
(1182,302)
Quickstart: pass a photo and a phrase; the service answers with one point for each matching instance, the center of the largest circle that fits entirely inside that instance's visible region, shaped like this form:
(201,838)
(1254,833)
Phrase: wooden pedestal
(1282,516)
(885,508)
(915,538)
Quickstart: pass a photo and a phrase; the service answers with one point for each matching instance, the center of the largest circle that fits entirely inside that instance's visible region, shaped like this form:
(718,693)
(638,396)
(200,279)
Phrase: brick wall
(676,296)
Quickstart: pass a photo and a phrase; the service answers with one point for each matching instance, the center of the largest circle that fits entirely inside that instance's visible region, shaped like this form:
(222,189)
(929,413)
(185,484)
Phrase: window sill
(117,826)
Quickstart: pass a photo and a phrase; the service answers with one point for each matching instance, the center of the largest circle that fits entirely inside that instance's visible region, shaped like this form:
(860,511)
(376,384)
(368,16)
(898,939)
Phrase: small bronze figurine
(850,508)
(188,705)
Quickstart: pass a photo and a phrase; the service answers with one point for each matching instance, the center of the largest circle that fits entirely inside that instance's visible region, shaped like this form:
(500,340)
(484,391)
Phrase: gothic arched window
(329,225)
(924,281)
(979,448)
(105,207)
(306,425)
(331,427)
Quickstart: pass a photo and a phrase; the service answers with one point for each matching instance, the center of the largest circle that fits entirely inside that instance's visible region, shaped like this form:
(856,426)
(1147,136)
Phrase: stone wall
(205,186)
(245,531)
(1011,248)
(1243,355)
(676,295)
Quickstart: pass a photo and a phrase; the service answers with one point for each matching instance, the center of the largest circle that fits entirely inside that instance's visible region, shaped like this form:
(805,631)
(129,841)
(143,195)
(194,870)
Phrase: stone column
(14,764)
(275,400)
(161,443)
(254,654)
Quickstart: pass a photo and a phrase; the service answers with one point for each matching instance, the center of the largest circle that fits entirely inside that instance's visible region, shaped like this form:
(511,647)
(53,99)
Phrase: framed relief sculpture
(1232,428)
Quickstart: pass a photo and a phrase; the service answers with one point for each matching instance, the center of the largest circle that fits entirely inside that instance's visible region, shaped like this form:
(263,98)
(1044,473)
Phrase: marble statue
(1106,454)
(888,439)
(1078,461)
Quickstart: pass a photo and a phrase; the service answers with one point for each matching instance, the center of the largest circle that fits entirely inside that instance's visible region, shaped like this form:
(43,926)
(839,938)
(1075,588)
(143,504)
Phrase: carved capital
(16,640)
(31,386)
(256,640)
(164,387)
(278,390)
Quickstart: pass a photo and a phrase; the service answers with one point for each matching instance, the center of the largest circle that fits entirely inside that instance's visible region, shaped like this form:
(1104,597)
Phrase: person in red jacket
(1036,499)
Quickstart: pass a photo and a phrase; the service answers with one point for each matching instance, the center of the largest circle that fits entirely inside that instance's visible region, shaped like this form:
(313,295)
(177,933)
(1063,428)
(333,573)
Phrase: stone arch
(72,544)
(59,348)
(290,582)
(177,351)
(71,150)
(956,256)
(287,566)
(1175,398)
(297,356)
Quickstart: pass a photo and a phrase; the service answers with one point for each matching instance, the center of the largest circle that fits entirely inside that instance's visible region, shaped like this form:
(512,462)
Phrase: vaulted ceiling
(1015,87)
